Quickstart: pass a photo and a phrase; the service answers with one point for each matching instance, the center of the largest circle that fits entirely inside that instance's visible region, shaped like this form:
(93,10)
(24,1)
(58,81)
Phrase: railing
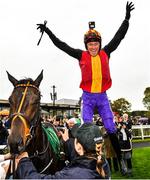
(141,131)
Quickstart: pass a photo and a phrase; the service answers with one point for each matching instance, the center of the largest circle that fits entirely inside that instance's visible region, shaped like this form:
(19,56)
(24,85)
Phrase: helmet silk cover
(92,36)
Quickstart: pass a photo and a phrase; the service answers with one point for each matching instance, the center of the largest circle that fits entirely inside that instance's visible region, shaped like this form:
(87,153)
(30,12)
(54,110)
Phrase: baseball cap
(88,135)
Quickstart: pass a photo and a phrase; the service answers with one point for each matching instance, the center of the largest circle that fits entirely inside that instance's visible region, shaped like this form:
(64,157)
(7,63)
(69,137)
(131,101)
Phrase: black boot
(115,143)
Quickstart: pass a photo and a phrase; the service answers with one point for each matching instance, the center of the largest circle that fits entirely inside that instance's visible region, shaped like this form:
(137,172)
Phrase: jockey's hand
(65,134)
(42,27)
(129,8)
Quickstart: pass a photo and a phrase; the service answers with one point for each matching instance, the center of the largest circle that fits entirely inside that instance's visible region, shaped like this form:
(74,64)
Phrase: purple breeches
(90,101)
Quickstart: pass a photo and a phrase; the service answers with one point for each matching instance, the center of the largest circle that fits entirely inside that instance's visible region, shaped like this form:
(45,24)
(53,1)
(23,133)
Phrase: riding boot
(115,143)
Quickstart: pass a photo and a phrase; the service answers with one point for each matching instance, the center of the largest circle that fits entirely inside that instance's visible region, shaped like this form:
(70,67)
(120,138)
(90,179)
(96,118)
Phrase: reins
(37,153)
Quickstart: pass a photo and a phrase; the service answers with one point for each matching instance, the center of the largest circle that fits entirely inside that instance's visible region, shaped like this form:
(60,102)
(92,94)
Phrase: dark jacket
(125,145)
(72,154)
(3,135)
(80,168)
(70,150)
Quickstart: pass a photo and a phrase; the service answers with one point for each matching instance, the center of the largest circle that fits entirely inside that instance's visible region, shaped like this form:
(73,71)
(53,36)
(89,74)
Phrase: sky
(68,20)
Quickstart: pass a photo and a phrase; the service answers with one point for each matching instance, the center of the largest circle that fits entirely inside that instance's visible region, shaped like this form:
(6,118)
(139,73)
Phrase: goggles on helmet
(92,35)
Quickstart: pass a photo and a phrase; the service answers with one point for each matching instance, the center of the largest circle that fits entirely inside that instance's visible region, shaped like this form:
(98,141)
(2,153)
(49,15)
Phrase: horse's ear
(12,79)
(39,79)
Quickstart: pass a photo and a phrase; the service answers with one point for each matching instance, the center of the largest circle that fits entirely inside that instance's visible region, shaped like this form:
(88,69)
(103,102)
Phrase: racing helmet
(92,35)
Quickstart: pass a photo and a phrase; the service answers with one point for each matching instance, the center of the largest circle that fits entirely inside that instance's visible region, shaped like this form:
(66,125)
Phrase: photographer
(125,137)
(87,165)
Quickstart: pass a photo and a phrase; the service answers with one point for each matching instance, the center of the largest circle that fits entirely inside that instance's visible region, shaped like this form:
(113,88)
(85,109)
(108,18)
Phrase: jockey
(94,65)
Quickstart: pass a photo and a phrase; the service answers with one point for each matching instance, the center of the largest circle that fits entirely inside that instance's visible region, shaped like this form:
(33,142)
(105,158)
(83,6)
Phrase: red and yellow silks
(95,72)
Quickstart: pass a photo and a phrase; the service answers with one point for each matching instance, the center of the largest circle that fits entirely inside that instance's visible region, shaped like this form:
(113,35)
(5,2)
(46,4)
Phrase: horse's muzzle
(16,147)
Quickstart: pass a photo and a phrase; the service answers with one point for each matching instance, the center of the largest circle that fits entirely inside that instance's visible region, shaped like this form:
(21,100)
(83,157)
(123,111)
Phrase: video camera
(91,25)
(122,123)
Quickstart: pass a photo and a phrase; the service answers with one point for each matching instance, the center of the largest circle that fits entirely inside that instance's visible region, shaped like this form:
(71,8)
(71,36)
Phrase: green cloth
(53,139)
(78,120)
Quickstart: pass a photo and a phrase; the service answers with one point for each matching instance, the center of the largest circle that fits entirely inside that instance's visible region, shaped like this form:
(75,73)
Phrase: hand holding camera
(65,134)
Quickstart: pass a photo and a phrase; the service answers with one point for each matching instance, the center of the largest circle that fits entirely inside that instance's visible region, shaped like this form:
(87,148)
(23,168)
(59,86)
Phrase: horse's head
(24,111)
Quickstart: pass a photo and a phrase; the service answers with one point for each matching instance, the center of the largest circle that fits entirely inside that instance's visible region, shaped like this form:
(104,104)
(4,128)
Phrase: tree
(146,99)
(121,106)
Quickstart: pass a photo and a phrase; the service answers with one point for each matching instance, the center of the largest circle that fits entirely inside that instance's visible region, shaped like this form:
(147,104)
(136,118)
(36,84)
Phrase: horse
(27,132)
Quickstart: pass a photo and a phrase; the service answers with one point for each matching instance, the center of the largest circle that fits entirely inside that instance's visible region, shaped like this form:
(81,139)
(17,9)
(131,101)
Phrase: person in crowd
(4,157)
(71,154)
(65,118)
(4,164)
(98,121)
(125,137)
(148,121)
(6,122)
(94,65)
(76,116)
(109,152)
(3,134)
(68,137)
(57,121)
(71,122)
(127,121)
(50,119)
(87,165)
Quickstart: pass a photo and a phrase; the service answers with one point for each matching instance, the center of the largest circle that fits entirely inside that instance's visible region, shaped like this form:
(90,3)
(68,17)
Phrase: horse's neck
(38,142)
(41,138)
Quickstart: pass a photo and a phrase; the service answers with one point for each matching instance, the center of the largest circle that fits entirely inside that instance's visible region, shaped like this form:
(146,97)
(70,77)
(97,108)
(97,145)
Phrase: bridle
(29,131)
(21,115)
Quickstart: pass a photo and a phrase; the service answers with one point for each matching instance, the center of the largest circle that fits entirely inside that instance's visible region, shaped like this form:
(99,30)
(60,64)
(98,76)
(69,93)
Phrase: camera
(61,128)
(124,123)
(91,25)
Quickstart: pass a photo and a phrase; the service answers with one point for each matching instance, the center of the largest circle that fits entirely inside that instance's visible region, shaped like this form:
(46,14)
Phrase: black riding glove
(42,27)
(129,8)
